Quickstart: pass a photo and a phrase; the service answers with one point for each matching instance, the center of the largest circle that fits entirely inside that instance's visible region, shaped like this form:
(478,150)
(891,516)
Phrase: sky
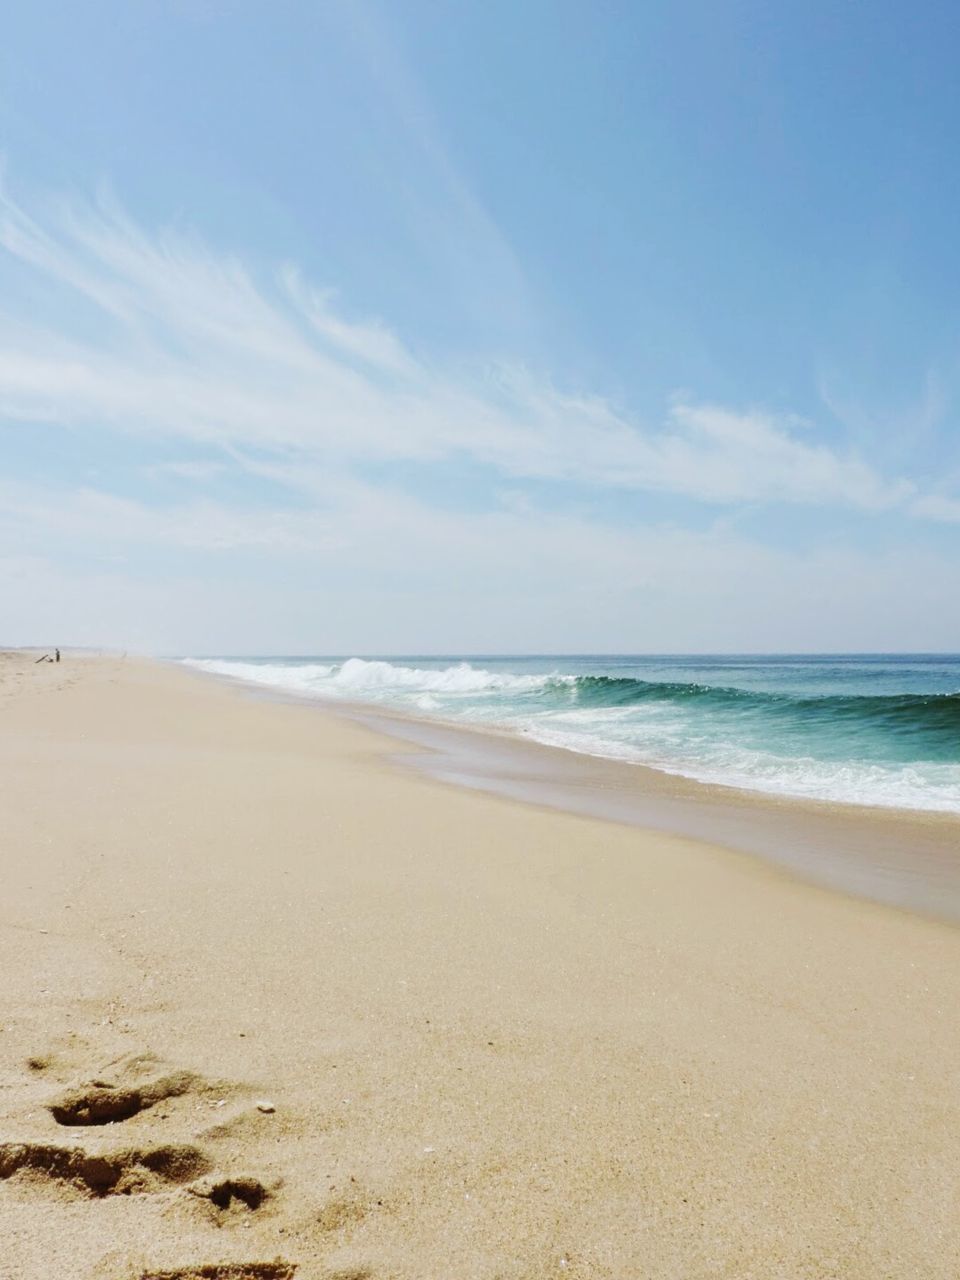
(412,327)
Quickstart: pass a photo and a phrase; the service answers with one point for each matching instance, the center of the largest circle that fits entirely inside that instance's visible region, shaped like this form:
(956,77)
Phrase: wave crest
(899,749)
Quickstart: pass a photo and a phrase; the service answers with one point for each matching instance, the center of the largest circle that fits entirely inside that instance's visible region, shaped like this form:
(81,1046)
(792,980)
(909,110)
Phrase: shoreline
(374,1025)
(825,792)
(901,858)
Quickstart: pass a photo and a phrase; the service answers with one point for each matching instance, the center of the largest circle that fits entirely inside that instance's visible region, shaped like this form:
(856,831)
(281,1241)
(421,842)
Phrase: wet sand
(343,1018)
(899,857)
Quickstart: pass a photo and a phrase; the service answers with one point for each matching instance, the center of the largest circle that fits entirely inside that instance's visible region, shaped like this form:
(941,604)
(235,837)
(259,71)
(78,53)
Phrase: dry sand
(487,1040)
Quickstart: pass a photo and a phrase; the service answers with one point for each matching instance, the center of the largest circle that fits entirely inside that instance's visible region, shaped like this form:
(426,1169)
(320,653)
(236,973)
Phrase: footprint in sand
(105,1103)
(125,1087)
(126,1172)
(224,1199)
(128,1087)
(134,1084)
(227,1271)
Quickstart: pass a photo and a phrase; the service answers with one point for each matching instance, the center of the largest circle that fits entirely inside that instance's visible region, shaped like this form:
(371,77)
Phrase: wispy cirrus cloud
(192,345)
(95,520)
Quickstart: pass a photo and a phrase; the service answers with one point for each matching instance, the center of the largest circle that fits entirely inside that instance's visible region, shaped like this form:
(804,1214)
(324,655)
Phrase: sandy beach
(275,1006)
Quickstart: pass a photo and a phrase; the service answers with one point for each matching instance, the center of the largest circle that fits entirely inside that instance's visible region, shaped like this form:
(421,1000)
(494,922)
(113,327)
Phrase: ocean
(870,729)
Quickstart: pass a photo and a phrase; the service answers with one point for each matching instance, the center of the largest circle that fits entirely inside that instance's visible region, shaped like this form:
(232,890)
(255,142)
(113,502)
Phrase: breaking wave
(893,747)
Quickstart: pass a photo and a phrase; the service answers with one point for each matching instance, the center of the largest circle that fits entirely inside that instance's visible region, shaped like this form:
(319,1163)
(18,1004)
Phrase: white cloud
(187,469)
(114,330)
(189,345)
(101,523)
(384,571)
(371,343)
(936,507)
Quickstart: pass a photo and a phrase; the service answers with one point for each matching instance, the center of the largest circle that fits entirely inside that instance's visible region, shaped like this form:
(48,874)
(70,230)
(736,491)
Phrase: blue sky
(382,327)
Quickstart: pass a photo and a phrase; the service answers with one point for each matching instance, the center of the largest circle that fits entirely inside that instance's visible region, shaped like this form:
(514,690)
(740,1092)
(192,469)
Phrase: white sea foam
(365,678)
(359,674)
(300,678)
(923,786)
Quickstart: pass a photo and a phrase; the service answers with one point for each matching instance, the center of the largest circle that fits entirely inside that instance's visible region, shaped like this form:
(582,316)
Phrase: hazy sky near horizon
(382,327)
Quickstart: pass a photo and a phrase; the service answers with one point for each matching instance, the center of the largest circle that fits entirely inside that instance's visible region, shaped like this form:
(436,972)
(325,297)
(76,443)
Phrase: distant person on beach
(57,652)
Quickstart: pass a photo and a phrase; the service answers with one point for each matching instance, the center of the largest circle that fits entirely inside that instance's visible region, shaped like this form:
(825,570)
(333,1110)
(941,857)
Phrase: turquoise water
(866,729)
